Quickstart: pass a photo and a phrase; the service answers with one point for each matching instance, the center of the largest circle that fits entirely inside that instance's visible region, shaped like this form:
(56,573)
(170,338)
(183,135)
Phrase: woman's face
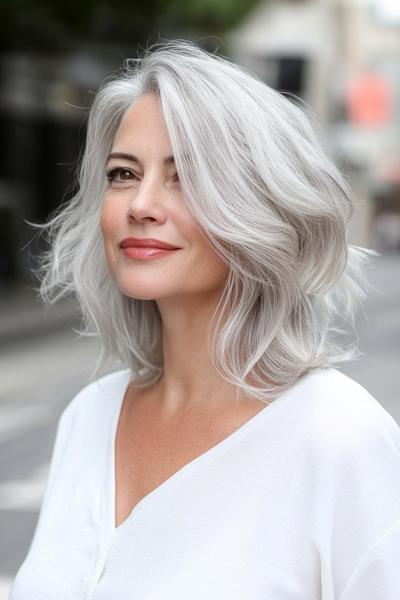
(144,200)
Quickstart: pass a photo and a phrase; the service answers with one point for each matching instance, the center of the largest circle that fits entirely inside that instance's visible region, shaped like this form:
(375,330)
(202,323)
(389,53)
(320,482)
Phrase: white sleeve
(377,575)
(365,542)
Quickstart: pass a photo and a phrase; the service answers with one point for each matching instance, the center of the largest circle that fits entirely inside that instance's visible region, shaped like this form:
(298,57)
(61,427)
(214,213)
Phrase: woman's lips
(143,253)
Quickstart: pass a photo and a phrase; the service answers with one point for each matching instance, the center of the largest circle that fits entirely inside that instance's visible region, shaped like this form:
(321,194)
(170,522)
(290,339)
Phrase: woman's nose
(146,201)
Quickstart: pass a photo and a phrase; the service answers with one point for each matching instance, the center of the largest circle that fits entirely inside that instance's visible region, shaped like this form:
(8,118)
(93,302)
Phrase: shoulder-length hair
(272,204)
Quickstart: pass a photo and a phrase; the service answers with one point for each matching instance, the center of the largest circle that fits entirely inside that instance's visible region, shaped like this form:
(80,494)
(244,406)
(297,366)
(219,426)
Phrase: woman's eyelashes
(121,175)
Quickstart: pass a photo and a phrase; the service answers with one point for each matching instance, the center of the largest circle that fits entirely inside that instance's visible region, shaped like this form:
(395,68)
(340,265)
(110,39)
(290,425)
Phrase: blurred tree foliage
(52,24)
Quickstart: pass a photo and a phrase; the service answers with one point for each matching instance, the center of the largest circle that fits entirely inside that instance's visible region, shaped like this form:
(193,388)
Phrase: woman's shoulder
(99,397)
(331,390)
(338,412)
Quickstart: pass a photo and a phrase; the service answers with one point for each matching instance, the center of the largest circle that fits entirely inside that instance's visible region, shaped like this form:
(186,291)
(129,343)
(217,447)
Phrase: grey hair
(270,201)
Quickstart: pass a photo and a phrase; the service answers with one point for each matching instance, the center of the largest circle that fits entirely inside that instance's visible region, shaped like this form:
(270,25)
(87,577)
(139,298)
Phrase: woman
(229,458)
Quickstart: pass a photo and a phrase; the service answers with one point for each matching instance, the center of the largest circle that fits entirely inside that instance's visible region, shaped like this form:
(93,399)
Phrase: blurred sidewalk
(23,314)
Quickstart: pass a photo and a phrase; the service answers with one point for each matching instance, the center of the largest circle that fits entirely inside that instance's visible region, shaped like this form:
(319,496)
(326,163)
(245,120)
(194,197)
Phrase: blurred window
(288,73)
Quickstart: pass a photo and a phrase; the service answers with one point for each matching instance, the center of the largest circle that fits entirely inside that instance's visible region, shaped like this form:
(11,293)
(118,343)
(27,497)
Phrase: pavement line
(26,494)
(17,494)
(18,419)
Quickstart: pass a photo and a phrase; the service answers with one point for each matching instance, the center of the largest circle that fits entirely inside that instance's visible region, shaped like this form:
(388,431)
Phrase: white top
(302,502)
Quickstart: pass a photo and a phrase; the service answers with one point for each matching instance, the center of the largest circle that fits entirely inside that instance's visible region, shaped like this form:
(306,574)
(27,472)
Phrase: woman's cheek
(108,219)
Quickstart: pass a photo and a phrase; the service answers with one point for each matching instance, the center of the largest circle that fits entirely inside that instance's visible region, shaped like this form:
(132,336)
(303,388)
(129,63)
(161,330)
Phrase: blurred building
(342,58)
(44,101)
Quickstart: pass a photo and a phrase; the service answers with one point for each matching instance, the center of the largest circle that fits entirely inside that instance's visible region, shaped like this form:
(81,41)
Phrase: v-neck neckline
(190,467)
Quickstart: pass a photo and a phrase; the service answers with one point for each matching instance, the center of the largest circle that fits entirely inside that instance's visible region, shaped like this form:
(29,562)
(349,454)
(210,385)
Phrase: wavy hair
(273,205)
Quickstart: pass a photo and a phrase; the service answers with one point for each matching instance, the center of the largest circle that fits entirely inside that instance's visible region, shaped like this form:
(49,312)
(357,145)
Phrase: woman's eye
(120,174)
(123,174)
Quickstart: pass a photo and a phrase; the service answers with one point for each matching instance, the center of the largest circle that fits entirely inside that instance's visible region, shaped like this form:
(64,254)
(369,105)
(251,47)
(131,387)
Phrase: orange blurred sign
(368,100)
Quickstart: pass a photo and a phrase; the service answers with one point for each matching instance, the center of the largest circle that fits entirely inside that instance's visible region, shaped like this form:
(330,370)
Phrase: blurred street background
(340,57)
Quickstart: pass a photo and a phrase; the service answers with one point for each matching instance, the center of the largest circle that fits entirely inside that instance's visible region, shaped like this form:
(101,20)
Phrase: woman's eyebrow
(133,158)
